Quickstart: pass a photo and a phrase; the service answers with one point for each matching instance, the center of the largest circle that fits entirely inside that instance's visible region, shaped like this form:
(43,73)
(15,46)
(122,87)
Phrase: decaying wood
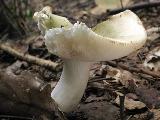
(26,94)
(26,88)
(18,109)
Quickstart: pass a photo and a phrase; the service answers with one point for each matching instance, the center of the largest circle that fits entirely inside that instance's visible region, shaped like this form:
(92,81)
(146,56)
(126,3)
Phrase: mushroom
(79,46)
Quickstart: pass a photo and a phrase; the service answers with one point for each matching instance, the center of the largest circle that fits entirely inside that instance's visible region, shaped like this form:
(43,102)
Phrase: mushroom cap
(46,20)
(116,37)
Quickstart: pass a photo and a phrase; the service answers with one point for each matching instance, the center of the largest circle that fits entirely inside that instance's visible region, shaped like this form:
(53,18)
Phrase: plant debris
(25,85)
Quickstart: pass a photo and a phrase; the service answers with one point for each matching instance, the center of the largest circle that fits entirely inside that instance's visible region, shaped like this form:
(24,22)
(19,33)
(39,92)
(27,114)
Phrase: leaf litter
(141,91)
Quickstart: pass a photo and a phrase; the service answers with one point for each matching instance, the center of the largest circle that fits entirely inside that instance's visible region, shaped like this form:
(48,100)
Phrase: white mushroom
(79,46)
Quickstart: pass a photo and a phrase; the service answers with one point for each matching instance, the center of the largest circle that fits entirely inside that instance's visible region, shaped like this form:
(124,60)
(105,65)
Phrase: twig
(99,79)
(129,117)
(135,7)
(122,98)
(29,58)
(131,69)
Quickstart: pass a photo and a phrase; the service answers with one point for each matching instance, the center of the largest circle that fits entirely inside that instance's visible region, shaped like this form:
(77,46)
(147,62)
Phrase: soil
(98,102)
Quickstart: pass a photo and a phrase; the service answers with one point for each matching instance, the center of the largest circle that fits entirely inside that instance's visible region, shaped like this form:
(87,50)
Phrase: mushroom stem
(71,86)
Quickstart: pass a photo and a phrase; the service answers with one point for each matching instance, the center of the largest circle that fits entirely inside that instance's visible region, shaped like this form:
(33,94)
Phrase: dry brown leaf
(113,73)
(150,96)
(156,114)
(128,80)
(122,76)
(130,104)
(95,69)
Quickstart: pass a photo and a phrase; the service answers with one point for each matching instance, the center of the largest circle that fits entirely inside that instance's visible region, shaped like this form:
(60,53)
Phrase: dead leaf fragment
(131,104)
(122,76)
(156,114)
(95,69)
(153,33)
(113,73)
(152,60)
(38,42)
(150,96)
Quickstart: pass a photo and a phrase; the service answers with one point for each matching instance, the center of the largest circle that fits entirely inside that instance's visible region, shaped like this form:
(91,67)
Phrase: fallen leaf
(156,114)
(151,97)
(113,73)
(130,104)
(95,69)
(122,76)
(128,80)
(98,111)
(132,96)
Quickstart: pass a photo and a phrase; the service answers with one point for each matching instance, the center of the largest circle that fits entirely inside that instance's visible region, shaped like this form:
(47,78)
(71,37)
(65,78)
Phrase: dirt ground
(110,82)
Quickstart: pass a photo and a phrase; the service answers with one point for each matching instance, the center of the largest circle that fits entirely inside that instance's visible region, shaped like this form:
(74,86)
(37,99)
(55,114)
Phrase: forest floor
(126,88)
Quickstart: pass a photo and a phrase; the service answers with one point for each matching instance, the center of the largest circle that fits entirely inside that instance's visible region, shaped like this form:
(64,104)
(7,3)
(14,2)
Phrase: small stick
(129,117)
(99,79)
(29,58)
(121,99)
